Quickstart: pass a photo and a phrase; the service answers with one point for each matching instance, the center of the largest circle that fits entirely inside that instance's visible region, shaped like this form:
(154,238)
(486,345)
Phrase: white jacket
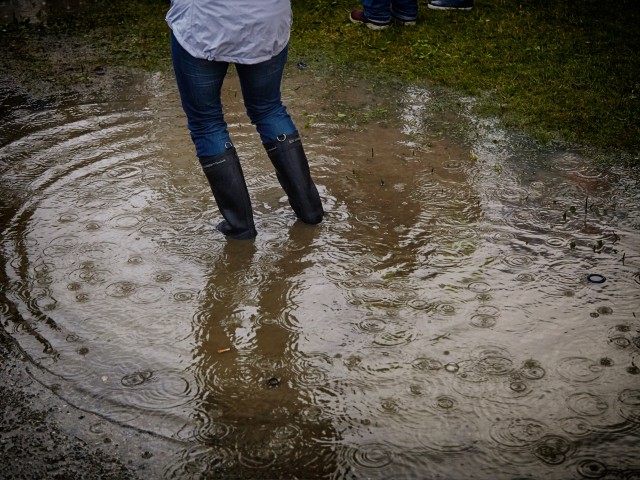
(236,31)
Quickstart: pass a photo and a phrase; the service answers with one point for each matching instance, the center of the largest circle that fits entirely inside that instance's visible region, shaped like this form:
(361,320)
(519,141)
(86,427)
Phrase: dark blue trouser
(381,10)
(200,83)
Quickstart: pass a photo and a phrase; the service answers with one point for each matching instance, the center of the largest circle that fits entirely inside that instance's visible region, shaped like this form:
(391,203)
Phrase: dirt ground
(41,435)
(35,438)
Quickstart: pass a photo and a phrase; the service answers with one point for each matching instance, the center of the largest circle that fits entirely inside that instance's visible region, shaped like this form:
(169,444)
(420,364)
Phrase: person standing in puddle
(205,38)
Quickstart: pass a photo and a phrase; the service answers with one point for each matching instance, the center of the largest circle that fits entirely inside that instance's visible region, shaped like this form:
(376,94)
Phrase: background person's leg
(406,11)
(377,10)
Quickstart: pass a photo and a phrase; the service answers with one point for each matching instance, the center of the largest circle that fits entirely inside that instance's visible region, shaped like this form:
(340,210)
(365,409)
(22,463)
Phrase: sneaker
(403,21)
(450,4)
(357,16)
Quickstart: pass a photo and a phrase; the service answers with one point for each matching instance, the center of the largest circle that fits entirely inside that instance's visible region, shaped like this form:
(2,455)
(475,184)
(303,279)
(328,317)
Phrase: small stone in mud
(273,382)
(99,71)
(302,66)
(147,455)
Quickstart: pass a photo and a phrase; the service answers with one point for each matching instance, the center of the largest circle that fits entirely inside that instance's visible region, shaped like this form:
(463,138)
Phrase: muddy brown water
(440,323)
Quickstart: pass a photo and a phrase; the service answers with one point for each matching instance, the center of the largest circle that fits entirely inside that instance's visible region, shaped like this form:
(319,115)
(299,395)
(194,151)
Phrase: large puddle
(440,323)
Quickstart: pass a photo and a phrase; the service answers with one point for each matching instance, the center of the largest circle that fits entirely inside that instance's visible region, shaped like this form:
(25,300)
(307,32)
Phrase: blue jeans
(381,10)
(200,82)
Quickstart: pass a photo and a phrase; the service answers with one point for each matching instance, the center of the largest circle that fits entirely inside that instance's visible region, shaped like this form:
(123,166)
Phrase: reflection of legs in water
(250,400)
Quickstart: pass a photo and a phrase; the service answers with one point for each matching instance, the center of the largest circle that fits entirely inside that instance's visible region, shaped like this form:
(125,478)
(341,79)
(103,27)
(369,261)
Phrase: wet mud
(440,323)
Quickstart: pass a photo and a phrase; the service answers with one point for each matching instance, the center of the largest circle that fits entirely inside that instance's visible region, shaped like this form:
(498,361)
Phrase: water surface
(440,323)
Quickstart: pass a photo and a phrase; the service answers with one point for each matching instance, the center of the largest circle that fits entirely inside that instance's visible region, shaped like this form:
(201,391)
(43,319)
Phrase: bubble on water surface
(555,242)
(445,402)
(98,250)
(370,456)
(579,369)
(483,321)
(587,404)
(442,309)
(426,364)
(136,378)
(121,289)
(461,233)
(576,426)
(452,367)
(518,386)
(184,295)
(126,221)
(68,217)
(629,404)
(389,406)
(620,341)
(532,369)
(163,276)
(516,260)
(419,304)
(124,172)
(258,456)
(525,277)
(552,449)
(201,460)
(372,325)
(448,434)
(479,287)
(518,432)
(145,294)
(89,275)
(591,469)
(393,337)
(493,360)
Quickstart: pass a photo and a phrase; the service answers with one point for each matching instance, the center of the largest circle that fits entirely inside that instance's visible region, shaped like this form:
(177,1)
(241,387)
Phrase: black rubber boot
(230,191)
(292,170)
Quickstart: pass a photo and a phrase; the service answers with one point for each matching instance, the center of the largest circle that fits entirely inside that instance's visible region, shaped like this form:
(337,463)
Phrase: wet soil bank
(42,435)
(36,440)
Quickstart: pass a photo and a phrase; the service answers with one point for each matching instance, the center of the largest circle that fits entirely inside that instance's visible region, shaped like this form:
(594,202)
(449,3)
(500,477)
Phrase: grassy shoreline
(558,71)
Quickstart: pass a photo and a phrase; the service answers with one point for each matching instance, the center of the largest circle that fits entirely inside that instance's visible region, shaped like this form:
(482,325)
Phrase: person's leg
(199,83)
(450,4)
(377,10)
(292,169)
(260,85)
(406,11)
(225,176)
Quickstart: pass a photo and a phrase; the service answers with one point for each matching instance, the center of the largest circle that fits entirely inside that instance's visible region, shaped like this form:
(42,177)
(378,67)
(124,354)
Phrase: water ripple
(579,369)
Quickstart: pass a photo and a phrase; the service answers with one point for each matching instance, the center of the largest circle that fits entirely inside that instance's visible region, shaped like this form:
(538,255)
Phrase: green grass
(557,70)
(560,71)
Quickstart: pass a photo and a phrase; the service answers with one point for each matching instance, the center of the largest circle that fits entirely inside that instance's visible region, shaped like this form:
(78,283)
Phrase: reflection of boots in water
(230,191)
(292,170)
